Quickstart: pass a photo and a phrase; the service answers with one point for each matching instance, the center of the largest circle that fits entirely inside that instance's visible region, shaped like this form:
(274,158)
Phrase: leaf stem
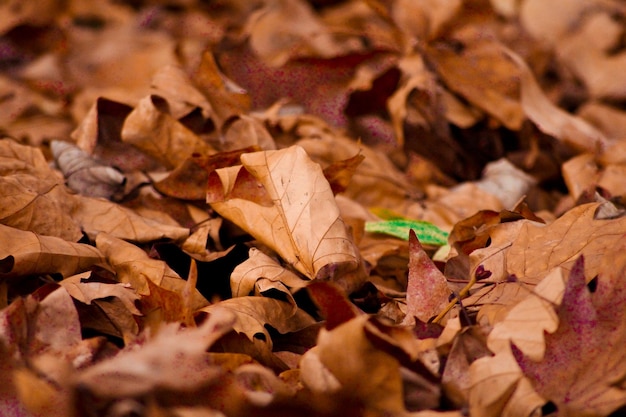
(464,292)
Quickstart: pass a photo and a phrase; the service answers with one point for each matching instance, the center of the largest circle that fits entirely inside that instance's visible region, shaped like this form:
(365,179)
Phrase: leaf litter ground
(312,208)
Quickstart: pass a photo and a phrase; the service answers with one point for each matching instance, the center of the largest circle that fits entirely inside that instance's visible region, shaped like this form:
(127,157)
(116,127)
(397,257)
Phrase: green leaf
(427,233)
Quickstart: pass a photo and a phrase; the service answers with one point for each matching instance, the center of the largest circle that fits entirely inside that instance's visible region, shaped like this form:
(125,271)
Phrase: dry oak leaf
(252,314)
(283,200)
(26,253)
(537,249)
(583,369)
(529,250)
(259,273)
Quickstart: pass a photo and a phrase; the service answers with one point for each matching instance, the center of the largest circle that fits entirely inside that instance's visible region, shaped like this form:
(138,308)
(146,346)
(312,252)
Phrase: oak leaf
(260,273)
(253,314)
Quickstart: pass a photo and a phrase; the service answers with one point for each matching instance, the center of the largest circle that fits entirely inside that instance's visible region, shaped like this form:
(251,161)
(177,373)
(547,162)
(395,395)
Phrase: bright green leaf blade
(427,233)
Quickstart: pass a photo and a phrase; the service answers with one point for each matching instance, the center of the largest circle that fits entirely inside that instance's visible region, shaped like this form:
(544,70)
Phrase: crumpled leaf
(340,173)
(252,314)
(283,200)
(260,273)
(25,253)
(189,180)
(160,135)
(132,265)
(85,175)
(88,291)
(106,307)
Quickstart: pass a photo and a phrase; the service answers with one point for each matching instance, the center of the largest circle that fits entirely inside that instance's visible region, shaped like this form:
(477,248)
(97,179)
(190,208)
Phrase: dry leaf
(427,292)
(375,182)
(493,87)
(134,267)
(252,314)
(189,180)
(283,200)
(261,273)
(552,120)
(295,24)
(101,216)
(85,175)
(584,357)
(26,253)
(160,135)
(336,365)
(39,204)
(174,359)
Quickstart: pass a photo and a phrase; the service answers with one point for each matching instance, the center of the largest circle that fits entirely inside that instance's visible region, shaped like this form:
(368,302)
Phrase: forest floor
(312,208)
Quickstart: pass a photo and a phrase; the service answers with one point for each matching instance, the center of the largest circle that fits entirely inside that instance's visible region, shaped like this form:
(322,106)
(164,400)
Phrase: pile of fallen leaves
(312,208)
